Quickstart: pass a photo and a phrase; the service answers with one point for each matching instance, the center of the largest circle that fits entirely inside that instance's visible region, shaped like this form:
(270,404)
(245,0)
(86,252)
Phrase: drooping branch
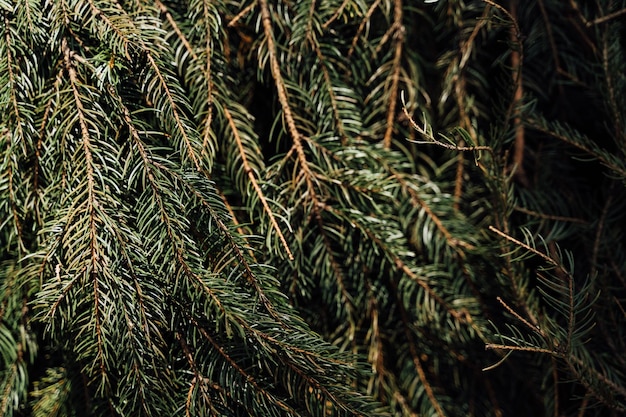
(398,42)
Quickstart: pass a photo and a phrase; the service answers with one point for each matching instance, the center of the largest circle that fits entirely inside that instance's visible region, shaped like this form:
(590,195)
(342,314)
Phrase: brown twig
(534,328)
(516,73)
(432,140)
(241,14)
(250,173)
(283,99)
(491,346)
(549,216)
(336,15)
(606,18)
(525,246)
(395,71)
(364,22)
(414,355)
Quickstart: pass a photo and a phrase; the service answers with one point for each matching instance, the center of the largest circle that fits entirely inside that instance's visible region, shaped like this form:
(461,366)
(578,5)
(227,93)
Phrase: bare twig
(606,18)
(525,246)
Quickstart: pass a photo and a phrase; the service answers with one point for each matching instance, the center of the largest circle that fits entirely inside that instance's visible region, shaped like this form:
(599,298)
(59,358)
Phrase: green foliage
(310,208)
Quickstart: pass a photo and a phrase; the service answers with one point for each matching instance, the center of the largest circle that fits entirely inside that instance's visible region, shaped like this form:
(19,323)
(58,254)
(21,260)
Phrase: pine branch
(91,203)
(398,41)
(250,173)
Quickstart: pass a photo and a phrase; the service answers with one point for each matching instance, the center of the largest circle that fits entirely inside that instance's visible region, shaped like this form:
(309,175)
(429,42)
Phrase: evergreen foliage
(312,208)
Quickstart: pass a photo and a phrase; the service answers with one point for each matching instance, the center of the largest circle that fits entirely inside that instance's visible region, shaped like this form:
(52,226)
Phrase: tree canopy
(312,208)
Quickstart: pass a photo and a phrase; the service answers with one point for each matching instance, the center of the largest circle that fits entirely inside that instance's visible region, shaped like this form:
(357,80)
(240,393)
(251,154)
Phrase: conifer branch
(208,77)
(549,216)
(177,31)
(250,173)
(542,255)
(415,357)
(612,98)
(336,15)
(177,246)
(175,112)
(249,379)
(364,22)
(431,139)
(198,379)
(492,346)
(338,272)
(520,318)
(375,354)
(331,93)
(599,234)
(580,142)
(18,123)
(398,39)
(246,10)
(453,242)
(606,18)
(91,206)
(283,99)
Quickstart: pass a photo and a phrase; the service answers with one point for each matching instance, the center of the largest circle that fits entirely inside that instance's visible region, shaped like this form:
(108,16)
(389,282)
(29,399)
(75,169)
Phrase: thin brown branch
(170,98)
(175,112)
(618,169)
(172,22)
(517,59)
(375,352)
(583,406)
(414,355)
(528,248)
(465,49)
(458,180)
(91,198)
(552,43)
(331,93)
(266,19)
(148,164)
(248,273)
(250,173)
(606,18)
(335,15)
(361,28)
(241,14)
(616,110)
(433,141)
(13,85)
(520,318)
(427,387)
(249,379)
(598,238)
(573,362)
(555,382)
(467,46)
(549,216)
(103,16)
(576,9)
(453,242)
(492,346)
(619,305)
(581,30)
(207,121)
(395,71)
(516,74)
(197,379)
(404,404)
